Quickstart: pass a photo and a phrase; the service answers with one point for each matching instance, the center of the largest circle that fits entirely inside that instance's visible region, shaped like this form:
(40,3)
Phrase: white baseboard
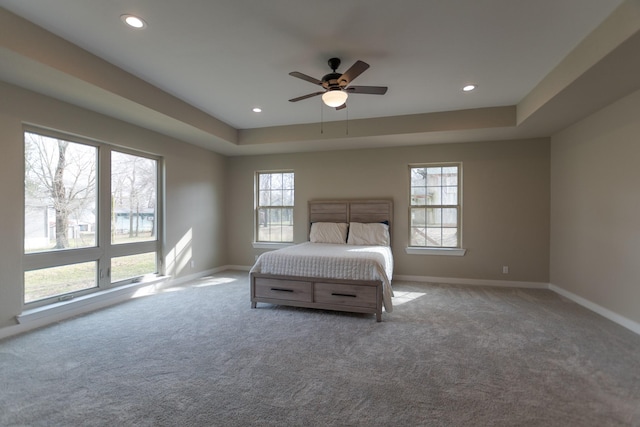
(238,267)
(195,276)
(37,318)
(476,282)
(604,312)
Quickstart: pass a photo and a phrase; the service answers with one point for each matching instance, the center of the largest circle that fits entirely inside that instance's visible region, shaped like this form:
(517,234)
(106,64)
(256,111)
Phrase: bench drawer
(289,290)
(350,295)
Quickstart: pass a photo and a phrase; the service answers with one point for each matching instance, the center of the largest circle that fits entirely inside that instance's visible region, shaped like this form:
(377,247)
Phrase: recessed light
(469,88)
(257,110)
(133,21)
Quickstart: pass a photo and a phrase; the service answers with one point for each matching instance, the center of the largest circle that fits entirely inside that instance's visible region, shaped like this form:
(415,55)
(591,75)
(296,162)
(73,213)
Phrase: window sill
(88,302)
(412,250)
(271,245)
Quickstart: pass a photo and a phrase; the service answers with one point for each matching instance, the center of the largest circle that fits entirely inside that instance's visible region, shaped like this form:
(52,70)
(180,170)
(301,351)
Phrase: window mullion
(39,260)
(133,248)
(104,216)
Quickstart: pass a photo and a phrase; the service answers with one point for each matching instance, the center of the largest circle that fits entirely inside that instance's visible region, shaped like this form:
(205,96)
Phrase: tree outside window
(60,194)
(133,198)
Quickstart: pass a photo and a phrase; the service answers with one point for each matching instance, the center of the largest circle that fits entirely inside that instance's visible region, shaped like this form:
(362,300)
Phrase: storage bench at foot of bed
(355,296)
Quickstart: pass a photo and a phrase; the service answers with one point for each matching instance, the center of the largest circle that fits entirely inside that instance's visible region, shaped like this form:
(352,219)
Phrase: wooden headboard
(352,210)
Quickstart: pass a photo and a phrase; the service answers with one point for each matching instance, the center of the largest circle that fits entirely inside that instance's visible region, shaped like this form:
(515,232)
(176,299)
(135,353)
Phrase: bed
(346,265)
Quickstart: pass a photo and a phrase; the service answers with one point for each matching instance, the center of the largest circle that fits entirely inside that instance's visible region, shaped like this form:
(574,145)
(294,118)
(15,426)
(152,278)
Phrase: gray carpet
(447,356)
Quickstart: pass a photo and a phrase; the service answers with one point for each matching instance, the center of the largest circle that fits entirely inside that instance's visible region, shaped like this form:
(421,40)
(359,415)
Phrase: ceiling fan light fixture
(334,98)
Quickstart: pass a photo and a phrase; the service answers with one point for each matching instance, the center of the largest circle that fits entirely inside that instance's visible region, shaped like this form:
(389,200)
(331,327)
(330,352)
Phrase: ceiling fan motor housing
(330,81)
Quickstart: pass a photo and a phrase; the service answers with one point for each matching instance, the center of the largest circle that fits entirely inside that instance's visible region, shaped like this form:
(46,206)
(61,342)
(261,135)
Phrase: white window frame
(270,244)
(458,250)
(104,250)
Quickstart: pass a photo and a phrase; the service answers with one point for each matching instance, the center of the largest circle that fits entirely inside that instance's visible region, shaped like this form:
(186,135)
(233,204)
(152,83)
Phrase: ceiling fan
(337,86)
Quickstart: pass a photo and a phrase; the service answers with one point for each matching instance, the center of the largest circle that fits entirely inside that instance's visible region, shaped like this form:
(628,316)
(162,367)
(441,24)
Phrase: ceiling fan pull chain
(321,118)
(347,111)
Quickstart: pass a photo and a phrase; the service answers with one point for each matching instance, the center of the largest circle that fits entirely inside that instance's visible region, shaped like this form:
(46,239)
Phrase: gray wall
(505,202)
(195,187)
(595,208)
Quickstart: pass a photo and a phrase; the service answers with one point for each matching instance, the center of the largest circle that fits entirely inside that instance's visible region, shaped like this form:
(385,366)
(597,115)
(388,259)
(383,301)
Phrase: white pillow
(368,234)
(328,232)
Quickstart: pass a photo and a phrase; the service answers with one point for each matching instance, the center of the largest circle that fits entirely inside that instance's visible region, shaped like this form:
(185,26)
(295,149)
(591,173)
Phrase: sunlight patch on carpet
(210,281)
(400,298)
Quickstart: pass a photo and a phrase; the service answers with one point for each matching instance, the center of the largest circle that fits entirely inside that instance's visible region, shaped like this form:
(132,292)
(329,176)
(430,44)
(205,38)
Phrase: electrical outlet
(193,263)
(505,269)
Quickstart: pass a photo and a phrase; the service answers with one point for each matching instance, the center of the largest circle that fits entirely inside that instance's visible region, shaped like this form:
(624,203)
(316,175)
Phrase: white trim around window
(413,250)
(271,245)
(435,209)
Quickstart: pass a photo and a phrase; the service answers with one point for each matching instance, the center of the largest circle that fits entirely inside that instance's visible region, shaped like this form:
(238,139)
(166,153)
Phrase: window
(435,206)
(60,194)
(274,206)
(133,198)
(90,211)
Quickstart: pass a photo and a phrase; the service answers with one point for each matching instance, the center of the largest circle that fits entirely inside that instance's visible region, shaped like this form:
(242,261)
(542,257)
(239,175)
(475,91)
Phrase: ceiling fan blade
(300,98)
(370,90)
(305,77)
(356,69)
(340,107)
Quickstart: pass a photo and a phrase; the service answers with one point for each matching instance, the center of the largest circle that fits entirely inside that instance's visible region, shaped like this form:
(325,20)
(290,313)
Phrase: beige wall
(563,210)
(595,208)
(195,187)
(505,202)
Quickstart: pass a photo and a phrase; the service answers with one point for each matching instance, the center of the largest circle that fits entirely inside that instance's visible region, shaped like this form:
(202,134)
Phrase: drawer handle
(335,294)
(281,290)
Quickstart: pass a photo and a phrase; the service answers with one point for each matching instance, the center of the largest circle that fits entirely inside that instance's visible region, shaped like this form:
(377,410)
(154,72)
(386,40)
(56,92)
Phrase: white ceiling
(225,57)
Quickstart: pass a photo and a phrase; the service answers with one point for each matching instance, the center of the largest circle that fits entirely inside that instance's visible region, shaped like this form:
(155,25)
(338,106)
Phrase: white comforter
(332,261)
